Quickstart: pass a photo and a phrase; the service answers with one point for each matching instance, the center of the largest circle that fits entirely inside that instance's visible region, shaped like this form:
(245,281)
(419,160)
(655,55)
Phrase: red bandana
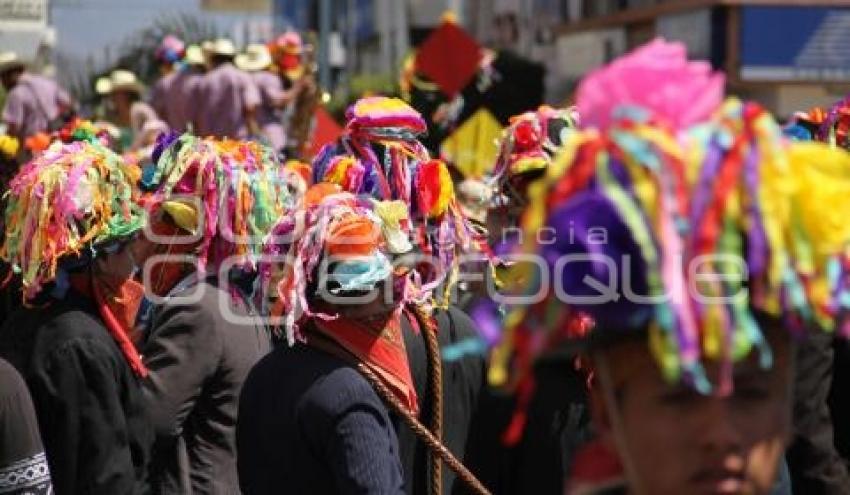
(118,302)
(380,347)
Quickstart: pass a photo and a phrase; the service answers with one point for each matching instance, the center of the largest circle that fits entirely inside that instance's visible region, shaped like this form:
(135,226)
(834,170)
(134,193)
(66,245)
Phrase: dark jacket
(23,465)
(310,423)
(814,462)
(198,359)
(90,407)
(463,381)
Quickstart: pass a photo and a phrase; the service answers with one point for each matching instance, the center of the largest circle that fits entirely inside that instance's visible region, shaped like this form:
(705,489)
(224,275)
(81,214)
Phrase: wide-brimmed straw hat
(194,55)
(9,61)
(103,86)
(223,47)
(255,58)
(124,80)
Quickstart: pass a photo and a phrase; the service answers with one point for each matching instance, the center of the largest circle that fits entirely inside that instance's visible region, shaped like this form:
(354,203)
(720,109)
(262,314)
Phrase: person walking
(34,103)
(229,97)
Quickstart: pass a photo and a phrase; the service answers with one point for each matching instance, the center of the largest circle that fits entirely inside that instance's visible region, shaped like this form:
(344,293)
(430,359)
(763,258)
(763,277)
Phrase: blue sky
(85,27)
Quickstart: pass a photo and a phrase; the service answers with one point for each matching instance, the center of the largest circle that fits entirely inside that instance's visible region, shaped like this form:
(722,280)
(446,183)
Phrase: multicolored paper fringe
(531,140)
(356,232)
(656,78)
(237,189)
(379,156)
(66,203)
(689,219)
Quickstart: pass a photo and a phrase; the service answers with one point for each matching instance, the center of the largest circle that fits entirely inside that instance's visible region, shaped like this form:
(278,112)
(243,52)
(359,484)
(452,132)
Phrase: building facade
(25,29)
(788,55)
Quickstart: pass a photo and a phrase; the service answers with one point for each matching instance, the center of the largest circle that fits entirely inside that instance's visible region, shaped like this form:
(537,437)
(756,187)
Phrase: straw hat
(103,86)
(194,55)
(223,47)
(9,61)
(255,58)
(124,80)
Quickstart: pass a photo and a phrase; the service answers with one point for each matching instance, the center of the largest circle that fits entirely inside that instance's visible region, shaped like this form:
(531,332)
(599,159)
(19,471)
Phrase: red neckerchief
(117,302)
(382,350)
(594,468)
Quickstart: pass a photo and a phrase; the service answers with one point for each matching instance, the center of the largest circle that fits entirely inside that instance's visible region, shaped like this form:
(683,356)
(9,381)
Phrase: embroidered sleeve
(29,476)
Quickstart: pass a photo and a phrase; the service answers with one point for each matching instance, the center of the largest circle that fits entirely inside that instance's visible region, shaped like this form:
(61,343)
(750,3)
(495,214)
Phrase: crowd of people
(210,90)
(641,297)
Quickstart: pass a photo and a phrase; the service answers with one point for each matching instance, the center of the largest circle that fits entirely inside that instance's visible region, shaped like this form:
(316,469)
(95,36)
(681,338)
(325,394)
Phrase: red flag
(327,130)
(449,57)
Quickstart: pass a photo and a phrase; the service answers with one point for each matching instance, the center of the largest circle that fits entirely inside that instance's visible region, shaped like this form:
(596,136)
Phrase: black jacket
(198,358)
(463,381)
(89,404)
(310,423)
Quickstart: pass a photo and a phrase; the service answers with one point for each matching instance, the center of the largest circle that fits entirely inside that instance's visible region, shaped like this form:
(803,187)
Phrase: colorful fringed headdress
(63,207)
(73,131)
(359,234)
(380,157)
(170,50)
(733,221)
(830,126)
(340,244)
(382,134)
(286,51)
(228,193)
(657,78)
(529,143)
(688,231)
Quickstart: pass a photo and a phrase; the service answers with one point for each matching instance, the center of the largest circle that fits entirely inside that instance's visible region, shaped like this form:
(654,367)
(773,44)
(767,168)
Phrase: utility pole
(384,19)
(351,41)
(401,37)
(325,7)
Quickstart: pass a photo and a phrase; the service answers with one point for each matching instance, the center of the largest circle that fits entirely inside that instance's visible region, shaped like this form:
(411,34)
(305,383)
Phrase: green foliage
(361,85)
(385,84)
(136,53)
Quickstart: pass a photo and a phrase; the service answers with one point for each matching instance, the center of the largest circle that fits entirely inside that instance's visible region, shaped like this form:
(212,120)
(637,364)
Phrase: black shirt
(89,404)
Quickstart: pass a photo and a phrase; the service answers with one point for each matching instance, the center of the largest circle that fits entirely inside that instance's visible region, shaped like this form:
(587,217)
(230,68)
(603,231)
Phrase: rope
(436,364)
(419,429)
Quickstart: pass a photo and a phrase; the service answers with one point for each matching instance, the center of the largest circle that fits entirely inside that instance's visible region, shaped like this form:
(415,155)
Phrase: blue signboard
(291,14)
(795,44)
(302,15)
(364,19)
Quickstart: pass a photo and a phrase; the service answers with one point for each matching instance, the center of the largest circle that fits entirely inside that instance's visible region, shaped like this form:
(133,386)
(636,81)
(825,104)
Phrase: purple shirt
(224,95)
(33,103)
(270,118)
(173,96)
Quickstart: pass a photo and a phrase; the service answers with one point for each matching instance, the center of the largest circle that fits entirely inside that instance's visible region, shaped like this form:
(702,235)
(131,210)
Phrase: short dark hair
(600,339)
(218,59)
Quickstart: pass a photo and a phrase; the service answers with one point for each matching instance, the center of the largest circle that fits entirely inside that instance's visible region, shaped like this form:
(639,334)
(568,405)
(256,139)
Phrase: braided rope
(423,433)
(436,367)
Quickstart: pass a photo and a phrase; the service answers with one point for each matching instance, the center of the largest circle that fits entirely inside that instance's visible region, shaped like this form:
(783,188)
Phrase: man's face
(120,99)
(678,441)
(9,78)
